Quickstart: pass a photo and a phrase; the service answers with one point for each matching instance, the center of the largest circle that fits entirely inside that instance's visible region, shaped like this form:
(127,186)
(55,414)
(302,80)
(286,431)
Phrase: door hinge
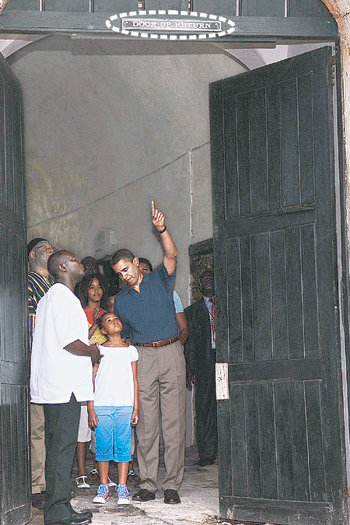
(334,64)
(335,52)
(222,381)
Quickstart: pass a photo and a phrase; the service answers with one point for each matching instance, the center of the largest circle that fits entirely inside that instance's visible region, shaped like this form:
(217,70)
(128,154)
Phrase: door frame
(345,265)
(343,242)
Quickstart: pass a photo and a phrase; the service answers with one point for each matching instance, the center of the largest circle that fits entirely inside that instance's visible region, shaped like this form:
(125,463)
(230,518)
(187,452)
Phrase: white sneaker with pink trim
(102,495)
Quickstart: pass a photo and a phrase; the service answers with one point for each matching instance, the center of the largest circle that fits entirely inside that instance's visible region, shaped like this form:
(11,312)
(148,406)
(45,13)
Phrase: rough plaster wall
(106,134)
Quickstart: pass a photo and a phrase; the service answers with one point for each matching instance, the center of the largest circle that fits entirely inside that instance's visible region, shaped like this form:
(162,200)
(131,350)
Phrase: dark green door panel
(267,8)
(179,5)
(67,5)
(282,431)
(14,445)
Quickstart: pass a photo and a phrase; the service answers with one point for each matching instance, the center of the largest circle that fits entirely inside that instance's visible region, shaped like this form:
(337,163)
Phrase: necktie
(212,317)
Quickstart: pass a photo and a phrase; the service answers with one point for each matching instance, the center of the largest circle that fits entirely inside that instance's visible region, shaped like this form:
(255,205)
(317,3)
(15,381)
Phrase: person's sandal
(133,477)
(111,483)
(81,482)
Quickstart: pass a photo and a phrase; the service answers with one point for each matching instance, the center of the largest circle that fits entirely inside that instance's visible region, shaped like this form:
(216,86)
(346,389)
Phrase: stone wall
(105,133)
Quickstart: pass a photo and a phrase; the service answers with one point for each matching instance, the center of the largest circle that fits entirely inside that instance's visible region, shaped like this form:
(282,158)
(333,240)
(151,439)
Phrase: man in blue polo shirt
(146,309)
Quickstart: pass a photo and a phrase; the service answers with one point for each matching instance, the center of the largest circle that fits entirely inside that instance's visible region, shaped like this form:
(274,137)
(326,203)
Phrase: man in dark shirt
(39,282)
(200,357)
(146,308)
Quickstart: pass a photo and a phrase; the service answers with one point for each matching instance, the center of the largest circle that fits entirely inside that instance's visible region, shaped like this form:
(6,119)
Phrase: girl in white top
(115,405)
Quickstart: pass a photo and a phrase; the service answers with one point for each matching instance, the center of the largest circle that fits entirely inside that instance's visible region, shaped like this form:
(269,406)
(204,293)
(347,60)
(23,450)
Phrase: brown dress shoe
(171,496)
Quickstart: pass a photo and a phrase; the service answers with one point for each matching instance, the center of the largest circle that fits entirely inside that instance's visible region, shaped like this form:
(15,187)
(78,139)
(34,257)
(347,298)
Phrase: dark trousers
(206,420)
(61,433)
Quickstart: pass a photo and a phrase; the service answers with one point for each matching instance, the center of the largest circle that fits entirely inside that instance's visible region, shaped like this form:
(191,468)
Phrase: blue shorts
(113,434)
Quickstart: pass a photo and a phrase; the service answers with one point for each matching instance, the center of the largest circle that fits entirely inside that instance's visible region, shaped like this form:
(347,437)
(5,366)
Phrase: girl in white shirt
(115,406)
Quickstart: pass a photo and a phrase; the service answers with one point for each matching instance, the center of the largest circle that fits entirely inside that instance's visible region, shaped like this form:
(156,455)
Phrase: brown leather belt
(158,344)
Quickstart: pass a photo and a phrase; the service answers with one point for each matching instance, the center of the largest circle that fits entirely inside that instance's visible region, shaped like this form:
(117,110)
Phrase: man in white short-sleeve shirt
(61,377)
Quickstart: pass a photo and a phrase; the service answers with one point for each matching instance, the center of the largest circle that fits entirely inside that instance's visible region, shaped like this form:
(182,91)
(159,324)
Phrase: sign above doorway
(170,25)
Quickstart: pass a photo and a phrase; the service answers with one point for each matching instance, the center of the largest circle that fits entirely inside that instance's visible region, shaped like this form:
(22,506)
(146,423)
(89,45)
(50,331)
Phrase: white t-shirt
(55,372)
(177,302)
(114,383)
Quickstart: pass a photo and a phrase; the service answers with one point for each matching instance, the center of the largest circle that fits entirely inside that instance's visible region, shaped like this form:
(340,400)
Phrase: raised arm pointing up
(169,246)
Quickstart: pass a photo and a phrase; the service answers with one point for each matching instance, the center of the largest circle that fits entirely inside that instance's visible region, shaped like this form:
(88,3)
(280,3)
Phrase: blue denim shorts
(113,434)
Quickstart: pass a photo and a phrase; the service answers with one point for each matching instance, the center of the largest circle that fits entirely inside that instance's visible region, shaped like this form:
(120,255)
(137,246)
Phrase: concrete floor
(199,500)
(199,495)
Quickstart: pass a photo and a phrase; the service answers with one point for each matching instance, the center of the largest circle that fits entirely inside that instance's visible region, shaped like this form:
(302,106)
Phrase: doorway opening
(124,122)
(142,119)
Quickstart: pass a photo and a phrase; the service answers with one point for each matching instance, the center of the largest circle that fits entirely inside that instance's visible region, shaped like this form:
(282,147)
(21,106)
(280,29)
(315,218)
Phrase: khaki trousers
(38,451)
(162,391)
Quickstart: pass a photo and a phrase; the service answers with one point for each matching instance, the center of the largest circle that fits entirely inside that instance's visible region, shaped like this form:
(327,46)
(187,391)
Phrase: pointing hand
(158,218)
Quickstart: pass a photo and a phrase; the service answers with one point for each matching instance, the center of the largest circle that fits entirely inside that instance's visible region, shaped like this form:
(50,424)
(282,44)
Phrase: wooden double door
(277,224)
(14,442)
(278,267)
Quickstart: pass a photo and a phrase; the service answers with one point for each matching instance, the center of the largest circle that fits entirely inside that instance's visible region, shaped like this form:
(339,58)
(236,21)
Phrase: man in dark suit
(200,367)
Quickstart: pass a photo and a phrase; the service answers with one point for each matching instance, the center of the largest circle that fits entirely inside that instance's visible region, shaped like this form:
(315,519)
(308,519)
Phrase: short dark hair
(146,261)
(84,288)
(90,264)
(99,320)
(123,253)
(55,260)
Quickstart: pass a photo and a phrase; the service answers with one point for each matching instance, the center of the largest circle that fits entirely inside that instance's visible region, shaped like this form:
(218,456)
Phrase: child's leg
(84,436)
(122,452)
(104,441)
(123,472)
(132,476)
(133,446)
(103,468)
(81,453)
(122,441)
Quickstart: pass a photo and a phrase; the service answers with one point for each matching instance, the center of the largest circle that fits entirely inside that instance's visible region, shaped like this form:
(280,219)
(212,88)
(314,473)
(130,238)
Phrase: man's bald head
(55,260)
(66,268)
